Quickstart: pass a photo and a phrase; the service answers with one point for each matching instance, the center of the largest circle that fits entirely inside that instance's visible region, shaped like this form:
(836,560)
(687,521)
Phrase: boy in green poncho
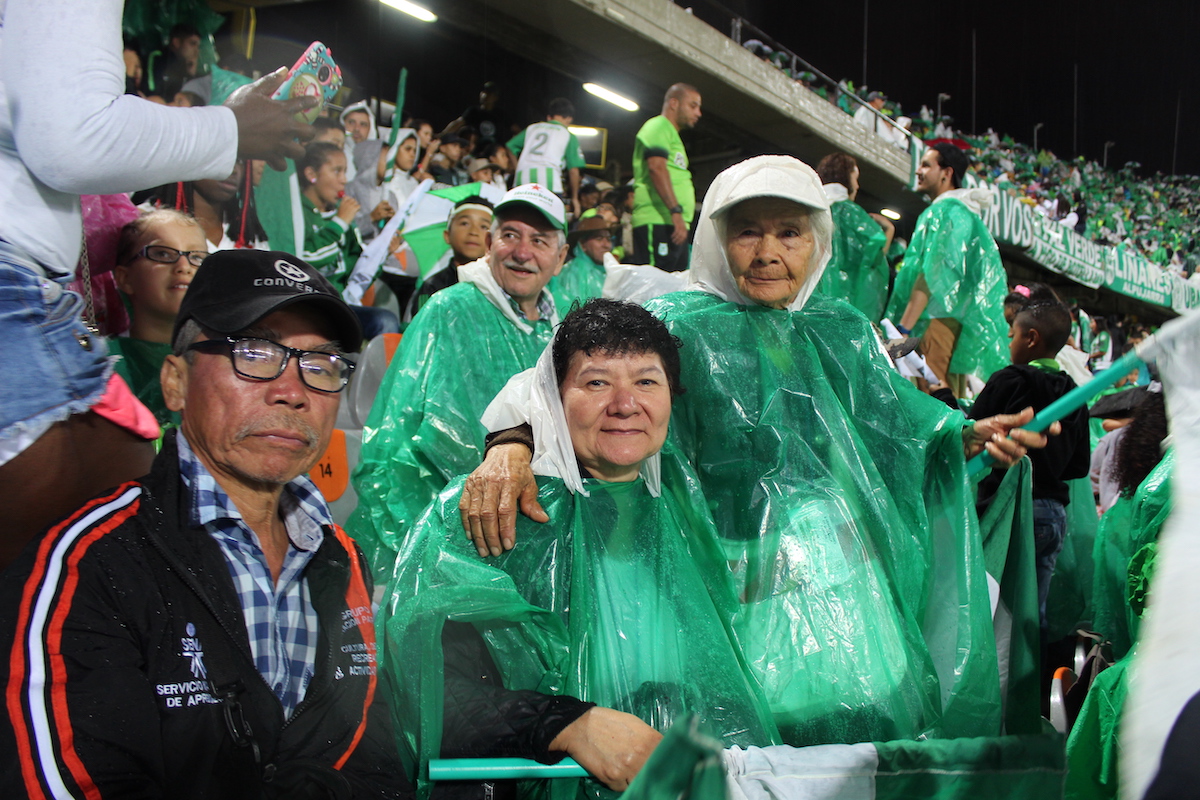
(952,286)
(602,627)
(839,490)
(582,278)
(458,352)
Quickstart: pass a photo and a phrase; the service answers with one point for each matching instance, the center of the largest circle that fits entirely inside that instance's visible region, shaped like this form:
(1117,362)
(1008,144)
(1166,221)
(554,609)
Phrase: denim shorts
(53,366)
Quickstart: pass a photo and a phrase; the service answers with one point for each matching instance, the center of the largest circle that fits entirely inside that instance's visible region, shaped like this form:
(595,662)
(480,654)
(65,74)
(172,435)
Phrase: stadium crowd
(1154,216)
(639,457)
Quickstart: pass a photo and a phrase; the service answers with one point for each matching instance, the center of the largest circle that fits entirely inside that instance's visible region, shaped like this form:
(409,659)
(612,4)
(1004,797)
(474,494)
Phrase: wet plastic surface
(858,270)
(952,248)
(1127,527)
(424,427)
(581,279)
(841,496)
(622,599)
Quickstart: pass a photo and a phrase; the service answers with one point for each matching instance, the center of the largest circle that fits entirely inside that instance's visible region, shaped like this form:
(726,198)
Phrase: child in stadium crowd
(1037,333)
(468,234)
(157,254)
(331,240)
(332,243)
(329,130)
(224,209)
(384,181)
(444,166)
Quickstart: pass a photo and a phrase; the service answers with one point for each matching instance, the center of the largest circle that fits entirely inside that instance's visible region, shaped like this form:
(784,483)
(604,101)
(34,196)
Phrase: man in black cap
(206,631)
(867,117)
(446,164)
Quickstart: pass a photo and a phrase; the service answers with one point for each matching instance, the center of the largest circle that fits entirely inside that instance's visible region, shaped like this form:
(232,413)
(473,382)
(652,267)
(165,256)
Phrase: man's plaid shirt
(280,618)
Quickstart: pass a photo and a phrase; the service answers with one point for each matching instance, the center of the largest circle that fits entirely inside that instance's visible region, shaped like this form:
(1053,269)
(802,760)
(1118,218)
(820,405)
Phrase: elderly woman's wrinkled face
(770,243)
(617,410)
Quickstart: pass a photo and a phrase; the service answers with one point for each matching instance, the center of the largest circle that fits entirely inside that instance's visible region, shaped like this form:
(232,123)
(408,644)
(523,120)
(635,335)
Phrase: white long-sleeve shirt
(67,128)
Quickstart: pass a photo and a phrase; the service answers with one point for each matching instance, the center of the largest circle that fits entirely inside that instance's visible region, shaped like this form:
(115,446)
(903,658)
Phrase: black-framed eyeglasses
(162,254)
(264,360)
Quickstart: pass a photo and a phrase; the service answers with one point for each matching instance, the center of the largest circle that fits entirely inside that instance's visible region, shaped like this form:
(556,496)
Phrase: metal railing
(800,70)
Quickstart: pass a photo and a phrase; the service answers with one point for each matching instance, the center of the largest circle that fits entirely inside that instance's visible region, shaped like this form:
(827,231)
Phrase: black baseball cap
(234,289)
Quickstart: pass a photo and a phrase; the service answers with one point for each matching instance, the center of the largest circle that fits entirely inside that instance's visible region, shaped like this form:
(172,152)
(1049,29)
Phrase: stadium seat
(332,473)
(372,365)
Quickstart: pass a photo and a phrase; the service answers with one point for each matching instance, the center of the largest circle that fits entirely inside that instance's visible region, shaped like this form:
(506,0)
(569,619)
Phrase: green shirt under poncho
(841,496)
(622,599)
(581,279)
(953,249)
(858,270)
(141,365)
(424,427)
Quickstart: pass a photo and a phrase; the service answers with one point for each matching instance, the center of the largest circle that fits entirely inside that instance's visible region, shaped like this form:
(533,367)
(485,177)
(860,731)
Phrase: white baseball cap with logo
(541,199)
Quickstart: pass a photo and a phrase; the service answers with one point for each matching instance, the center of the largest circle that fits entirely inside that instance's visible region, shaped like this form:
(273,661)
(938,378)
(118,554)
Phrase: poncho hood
(361,105)
(835,192)
(976,199)
(762,176)
(366,152)
(534,395)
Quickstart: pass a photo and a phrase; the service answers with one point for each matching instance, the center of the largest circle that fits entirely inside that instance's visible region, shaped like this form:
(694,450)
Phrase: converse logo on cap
(290,271)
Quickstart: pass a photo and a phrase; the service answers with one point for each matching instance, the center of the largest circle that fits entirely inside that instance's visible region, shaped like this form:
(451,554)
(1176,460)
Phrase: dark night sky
(1136,60)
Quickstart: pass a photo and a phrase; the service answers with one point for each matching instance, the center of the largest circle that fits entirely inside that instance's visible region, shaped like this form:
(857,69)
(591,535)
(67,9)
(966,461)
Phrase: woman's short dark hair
(615,328)
(836,168)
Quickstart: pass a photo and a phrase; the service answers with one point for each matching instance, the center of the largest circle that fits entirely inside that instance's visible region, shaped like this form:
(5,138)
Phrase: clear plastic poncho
(953,249)
(841,497)
(622,599)
(424,427)
(858,269)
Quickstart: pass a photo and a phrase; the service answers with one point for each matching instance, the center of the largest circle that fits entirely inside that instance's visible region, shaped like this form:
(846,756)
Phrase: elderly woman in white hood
(839,491)
(382,182)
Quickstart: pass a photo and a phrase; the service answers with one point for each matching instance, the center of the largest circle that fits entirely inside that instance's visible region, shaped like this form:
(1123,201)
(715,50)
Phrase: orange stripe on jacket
(356,596)
(18,663)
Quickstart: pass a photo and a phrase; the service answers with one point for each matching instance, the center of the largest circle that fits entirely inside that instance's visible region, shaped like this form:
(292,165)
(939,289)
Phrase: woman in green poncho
(838,489)
(858,269)
(623,602)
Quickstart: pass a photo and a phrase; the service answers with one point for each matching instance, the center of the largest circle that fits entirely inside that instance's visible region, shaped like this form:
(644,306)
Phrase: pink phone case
(315,75)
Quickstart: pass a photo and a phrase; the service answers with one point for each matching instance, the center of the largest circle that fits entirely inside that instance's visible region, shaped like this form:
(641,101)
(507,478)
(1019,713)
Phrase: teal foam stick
(1077,397)
(480,769)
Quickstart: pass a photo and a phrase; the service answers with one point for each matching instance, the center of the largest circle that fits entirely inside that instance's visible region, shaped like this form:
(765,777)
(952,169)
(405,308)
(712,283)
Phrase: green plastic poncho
(581,279)
(1008,553)
(1094,746)
(841,496)
(1069,604)
(622,599)
(858,269)
(952,248)
(424,428)
(1125,529)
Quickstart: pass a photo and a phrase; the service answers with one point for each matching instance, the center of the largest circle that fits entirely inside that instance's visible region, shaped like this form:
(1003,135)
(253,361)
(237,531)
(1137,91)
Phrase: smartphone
(315,75)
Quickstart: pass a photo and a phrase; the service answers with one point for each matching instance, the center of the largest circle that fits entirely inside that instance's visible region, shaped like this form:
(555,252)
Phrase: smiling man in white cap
(461,348)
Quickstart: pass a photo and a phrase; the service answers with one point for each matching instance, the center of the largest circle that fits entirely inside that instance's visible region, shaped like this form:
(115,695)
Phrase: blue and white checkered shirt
(280,617)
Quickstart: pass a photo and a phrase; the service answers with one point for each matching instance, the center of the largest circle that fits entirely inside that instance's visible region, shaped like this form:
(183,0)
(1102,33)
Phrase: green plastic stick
(479,769)
(1076,398)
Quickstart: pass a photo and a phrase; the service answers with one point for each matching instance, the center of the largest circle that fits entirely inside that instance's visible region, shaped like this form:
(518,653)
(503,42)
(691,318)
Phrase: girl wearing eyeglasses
(157,254)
